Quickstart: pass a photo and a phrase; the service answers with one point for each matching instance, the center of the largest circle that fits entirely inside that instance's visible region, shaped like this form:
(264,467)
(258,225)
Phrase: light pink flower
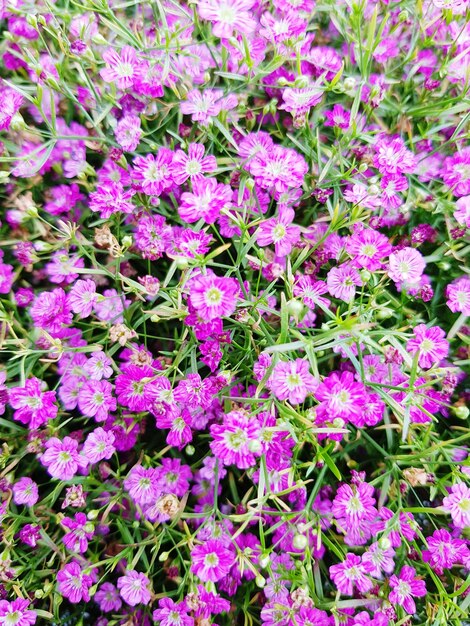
(134,588)
(430,344)
(280,231)
(192,165)
(205,202)
(25,491)
(458,295)
(342,282)
(82,297)
(291,380)
(404,587)
(457,503)
(406,265)
(121,67)
(62,459)
(99,445)
(228,16)
(213,296)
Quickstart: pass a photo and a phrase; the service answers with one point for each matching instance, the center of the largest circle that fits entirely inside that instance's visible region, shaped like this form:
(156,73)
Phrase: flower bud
(260,581)
(163,557)
(461,411)
(93,514)
(264,561)
(300,542)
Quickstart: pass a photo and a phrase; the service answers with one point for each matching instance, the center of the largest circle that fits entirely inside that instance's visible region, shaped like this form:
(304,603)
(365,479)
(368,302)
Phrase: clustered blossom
(234,302)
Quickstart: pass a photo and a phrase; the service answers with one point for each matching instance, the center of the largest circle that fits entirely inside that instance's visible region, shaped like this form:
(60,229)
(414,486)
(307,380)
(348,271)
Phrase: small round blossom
(32,405)
(291,380)
(430,344)
(458,295)
(95,399)
(25,491)
(212,560)
(342,282)
(108,598)
(192,165)
(368,248)
(205,202)
(350,574)
(82,297)
(99,445)
(134,588)
(16,613)
(228,16)
(405,587)
(170,613)
(445,551)
(73,583)
(62,459)
(233,442)
(213,296)
(406,265)
(457,503)
(121,67)
(80,532)
(280,231)
(153,172)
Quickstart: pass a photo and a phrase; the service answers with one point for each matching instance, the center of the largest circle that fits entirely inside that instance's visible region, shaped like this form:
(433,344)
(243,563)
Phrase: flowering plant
(233,302)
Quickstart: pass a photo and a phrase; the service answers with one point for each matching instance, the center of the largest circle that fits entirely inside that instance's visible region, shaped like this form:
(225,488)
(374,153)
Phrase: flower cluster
(233,313)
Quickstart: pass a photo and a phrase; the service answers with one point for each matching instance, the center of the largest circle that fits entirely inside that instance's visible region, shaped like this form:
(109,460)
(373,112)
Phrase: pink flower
(73,584)
(34,406)
(342,282)
(25,491)
(430,344)
(62,267)
(108,598)
(367,248)
(99,445)
(128,132)
(311,291)
(392,157)
(279,168)
(458,295)
(462,213)
(341,396)
(291,380)
(212,560)
(235,441)
(121,68)
(82,297)
(154,173)
(350,574)
(299,100)
(6,277)
(134,588)
(192,165)
(10,103)
(202,106)
(51,310)
(61,458)
(134,387)
(228,16)
(445,551)
(95,399)
(142,485)
(338,117)
(98,366)
(280,231)
(111,198)
(205,202)
(152,236)
(80,532)
(15,613)
(405,587)
(378,558)
(406,265)
(213,296)
(458,505)
(457,172)
(170,613)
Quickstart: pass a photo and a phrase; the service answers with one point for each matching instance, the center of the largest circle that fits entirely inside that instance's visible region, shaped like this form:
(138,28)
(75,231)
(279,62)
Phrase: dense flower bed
(233,301)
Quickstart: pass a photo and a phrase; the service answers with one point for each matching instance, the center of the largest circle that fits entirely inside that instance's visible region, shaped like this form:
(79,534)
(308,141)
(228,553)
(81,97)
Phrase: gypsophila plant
(233,306)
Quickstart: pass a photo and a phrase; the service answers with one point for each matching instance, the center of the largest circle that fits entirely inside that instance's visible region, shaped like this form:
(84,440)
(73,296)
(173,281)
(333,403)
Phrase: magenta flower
(340,396)
(392,157)
(143,485)
(458,295)
(213,296)
(95,399)
(128,132)
(121,68)
(236,440)
(111,198)
(25,491)
(82,297)
(51,310)
(462,212)
(378,558)
(405,587)
(212,560)
(134,387)
(16,613)
(406,265)
(154,173)
(338,117)
(279,168)
(80,532)
(342,282)
(228,16)
(457,503)
(430,344)
(291,380)
(33,406)
(202,106)
(62,459)
(280,231)
(350,574)
(152,236)
(192,165)
(6,277)
(205,202)
(368,248)
(134,588)
(445,551)
(73,583)
(170,613)
(99,445)
(353,504)
(107,597)
(457,172)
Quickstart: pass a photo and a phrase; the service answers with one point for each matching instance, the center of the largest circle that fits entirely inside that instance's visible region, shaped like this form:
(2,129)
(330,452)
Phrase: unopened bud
(300,542)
